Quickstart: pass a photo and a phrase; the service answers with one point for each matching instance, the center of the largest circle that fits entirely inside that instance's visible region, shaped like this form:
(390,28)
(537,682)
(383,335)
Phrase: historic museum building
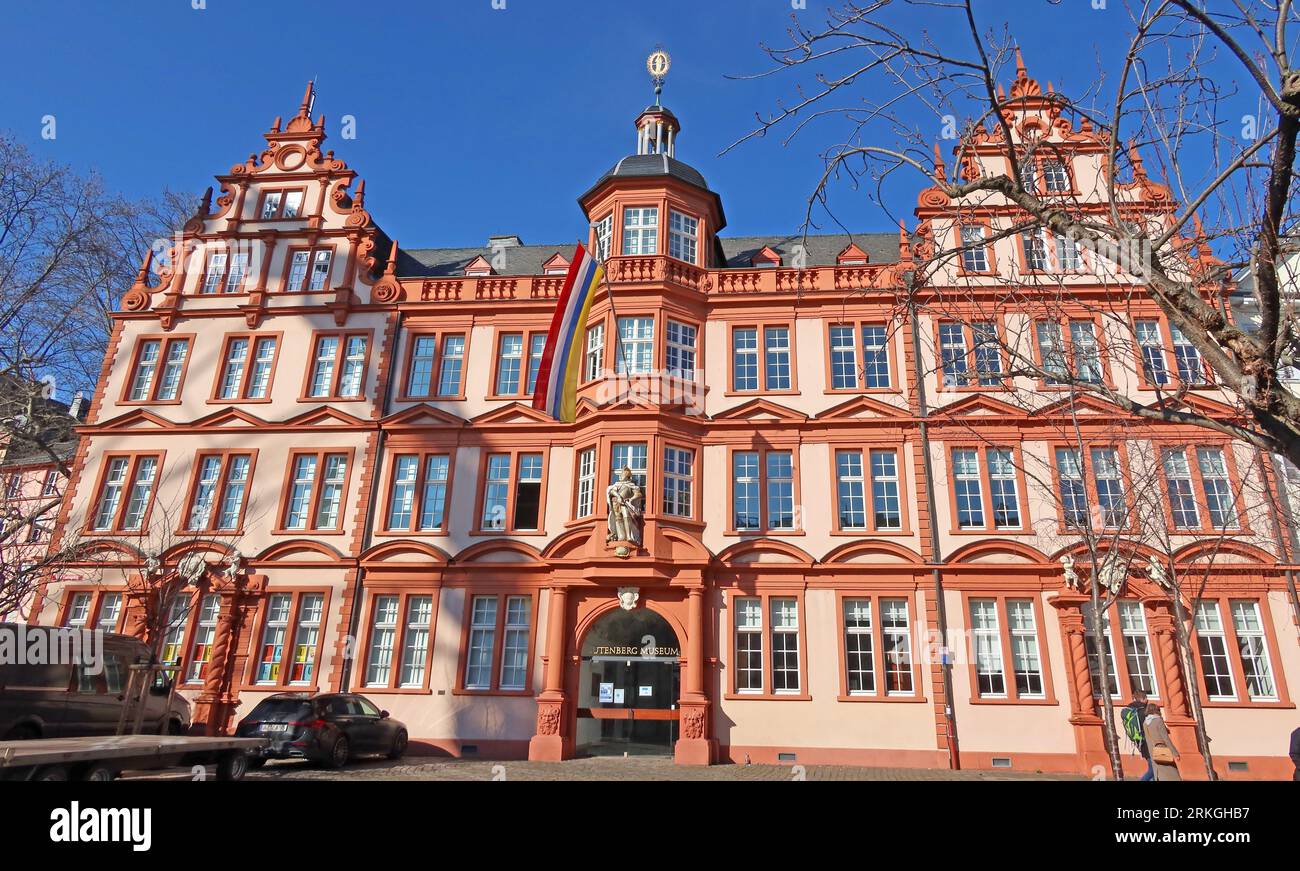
(846,552)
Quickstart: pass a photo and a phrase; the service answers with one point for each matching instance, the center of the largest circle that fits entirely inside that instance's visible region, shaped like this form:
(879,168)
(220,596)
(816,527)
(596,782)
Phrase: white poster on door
(606,693)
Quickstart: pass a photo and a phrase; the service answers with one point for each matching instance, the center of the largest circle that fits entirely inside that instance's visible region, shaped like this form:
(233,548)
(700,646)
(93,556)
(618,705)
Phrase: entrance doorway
(628,686)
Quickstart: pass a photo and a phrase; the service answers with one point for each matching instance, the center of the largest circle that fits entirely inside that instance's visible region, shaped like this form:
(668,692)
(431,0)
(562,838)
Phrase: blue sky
(470,120)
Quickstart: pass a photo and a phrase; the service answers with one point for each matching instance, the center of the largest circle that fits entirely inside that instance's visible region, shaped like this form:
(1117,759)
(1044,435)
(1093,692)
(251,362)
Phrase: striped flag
(557,377)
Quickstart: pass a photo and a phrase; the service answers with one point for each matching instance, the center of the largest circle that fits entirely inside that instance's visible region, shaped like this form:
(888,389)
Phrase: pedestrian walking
(1131,716)
(1295,753)
(1164,754)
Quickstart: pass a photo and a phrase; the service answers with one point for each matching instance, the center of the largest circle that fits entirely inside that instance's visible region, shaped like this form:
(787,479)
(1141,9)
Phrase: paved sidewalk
(618,769)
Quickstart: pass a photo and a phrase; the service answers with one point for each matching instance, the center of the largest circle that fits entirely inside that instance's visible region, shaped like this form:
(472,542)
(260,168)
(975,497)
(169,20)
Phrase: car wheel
(174,727)
(23,733)
(232,765)
(399,745)
(340,753)
(51,773)
(99,773)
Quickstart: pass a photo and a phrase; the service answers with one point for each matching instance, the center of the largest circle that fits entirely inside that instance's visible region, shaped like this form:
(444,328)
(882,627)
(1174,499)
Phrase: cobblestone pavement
(616,769)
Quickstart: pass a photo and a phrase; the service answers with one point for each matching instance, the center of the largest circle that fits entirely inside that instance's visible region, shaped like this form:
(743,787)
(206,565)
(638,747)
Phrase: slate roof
(822,249)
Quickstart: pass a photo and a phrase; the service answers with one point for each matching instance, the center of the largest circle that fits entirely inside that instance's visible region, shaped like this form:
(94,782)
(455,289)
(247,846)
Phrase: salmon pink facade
(340,429)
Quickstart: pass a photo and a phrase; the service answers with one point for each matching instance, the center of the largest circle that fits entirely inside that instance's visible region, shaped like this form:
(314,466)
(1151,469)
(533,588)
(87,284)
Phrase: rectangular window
(312,501)
(850,490)
(682,235)
(630,455)
(238,272)
(897,642)
(1051,352)
(1182,498)
(952,354)
(844,359)
(1086,353)
(777,373)
(640,231)
(678,477)
(1188,357)
(452,367)
(239,380)
(1025,655)
(148,383)
(1212,643)
(594,361)
(679,355)
(78,612)
(1067,254)
(536,348)
(215,272)
(338,366)
(604,231)
(512,625)
(424,355)
(1253,647)
(309,270)
(745,489)
(496,491)
(1056,177)
(401,501)
(744,358)
(274,633)
(586,503)
(205,632)
(1003,495)
(125,494)
(859,648)
(110,611)
(967,489)
(415,646)
(780,490)
(523,488)
(987,353)
(974,254)
(528,493)
(1094,657)
(219,489)
(885,504)
(875,357)
(763,490)
(271,204)
(1153,351)
(991,680)
(514,644)
(1137,648)
(636,355)
(1035,247)
(749,645)
(302,668)
(1218,493)
(510,359)
(383,641)
(177,610)
(785,645)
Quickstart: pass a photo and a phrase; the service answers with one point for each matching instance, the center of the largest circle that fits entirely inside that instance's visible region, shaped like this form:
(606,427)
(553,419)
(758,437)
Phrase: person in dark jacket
(1295,753)
(1157,735)
(1138,707)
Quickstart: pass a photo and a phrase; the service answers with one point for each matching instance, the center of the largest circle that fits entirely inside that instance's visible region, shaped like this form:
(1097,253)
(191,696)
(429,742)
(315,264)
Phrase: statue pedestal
(624,549)
(693,747)
(548,744)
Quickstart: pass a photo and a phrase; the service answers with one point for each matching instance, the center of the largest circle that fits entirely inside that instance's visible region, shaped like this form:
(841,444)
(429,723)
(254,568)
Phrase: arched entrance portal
(629,686)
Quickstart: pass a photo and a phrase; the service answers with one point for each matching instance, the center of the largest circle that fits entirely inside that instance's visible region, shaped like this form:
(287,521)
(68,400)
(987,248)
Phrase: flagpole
(618,336)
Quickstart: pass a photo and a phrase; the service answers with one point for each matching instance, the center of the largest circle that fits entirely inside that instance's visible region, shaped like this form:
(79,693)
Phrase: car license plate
(275,727)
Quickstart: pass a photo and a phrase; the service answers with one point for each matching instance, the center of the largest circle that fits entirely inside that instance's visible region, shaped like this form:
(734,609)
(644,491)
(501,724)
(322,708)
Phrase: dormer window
(852,256)
(556,265)
(281,204)
(765,258)
(682,236)
(640,231)
(479,267)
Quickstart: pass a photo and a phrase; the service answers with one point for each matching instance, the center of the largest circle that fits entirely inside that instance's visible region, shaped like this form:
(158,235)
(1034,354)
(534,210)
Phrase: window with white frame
(679,353)
(482,643)
(785,645)
(488,622)
(415,646)
(126,482)
(110,611)
(1153,351)
(851,490)
(147,383)
(682,236)
(1182,497)
(238,379)
(205,632)
(1094,653)
(424,353)
(744,358)
(77,614)
(510,358)
(885,504)
(586,505)
(1212,644)
(306,492)
(677,482)
(219,491)
(1137,648)
(514,644)
(309,270)
(1191,369)
(987,639)
(604,231)
(1056,177)
(844,358)
(274,633)
(338,366)
(1218,492)
(953,355)
(1025,657)
(636,352)
(536,348)
(776,358)
(1109,482)
(1067,254)
(302,665)
(214,272)
(1253,647)
(383,638)
(1035,247)
(749,645)
(640,231)
(1086,352)
(859,648)
(897,642)
(974,255)
(1051,351)
(594,360)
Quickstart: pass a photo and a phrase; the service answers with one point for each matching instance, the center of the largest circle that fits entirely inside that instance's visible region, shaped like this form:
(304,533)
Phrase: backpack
(1132,725)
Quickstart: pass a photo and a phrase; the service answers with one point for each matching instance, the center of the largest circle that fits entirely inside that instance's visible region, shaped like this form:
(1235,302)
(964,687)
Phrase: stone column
(1173,690)
(211,707)
(548,744)
(694,746)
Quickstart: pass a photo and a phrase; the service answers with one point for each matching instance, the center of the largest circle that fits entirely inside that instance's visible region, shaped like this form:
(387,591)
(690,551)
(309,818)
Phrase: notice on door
(606,693)
(618,696)
(645,692)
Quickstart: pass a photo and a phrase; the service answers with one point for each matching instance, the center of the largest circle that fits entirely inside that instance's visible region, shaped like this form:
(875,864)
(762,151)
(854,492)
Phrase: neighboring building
(356,425)
(31,493)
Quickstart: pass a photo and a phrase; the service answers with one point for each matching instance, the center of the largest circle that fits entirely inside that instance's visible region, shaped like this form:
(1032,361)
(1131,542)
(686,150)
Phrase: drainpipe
(941,609)
(367,533)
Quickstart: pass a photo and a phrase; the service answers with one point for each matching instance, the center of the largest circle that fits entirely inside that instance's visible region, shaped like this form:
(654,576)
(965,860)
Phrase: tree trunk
(1107,702)
(1191,681)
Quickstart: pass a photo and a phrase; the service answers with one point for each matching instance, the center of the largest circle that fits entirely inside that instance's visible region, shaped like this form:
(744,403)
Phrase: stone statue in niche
(624,500)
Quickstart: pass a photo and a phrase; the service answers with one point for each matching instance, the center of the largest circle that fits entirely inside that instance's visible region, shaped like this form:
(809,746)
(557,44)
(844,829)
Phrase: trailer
(103,759)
